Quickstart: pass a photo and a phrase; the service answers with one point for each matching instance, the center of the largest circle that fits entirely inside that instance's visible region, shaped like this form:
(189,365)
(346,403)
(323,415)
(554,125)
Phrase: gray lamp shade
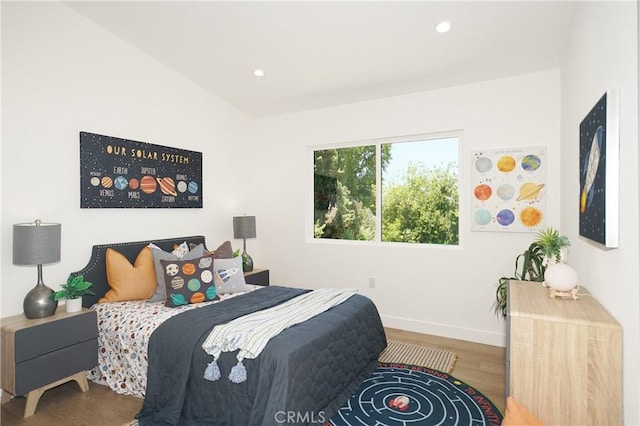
(36,243)
(244,227)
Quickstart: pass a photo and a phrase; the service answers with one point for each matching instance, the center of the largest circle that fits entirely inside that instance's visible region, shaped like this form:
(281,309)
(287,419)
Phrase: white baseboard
(444,330)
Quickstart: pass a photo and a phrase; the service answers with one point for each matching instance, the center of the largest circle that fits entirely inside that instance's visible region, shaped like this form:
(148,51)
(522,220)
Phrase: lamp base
(573,293)
(38,303)
(247,262)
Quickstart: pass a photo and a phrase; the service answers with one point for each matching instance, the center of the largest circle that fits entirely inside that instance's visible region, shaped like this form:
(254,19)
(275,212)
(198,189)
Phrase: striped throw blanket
(252,332)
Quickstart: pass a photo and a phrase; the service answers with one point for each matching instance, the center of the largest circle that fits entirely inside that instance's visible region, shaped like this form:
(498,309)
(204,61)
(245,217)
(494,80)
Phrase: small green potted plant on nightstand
(72,291)
(553,245)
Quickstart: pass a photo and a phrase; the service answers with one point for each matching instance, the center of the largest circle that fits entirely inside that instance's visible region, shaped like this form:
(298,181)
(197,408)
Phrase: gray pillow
(158,255)
(228,275)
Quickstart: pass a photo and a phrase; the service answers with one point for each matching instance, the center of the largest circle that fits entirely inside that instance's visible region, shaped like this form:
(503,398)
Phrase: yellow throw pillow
(127,281)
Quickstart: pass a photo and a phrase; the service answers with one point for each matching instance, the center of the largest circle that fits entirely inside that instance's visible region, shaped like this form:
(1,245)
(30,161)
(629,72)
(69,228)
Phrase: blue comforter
(303,376)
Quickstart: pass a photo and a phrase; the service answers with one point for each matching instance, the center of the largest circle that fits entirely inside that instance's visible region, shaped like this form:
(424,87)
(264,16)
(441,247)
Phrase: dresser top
(19,321)
(531,299)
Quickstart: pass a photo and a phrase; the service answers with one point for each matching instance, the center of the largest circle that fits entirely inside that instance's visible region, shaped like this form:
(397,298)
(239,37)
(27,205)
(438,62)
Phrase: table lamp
(245,227)
(37,243)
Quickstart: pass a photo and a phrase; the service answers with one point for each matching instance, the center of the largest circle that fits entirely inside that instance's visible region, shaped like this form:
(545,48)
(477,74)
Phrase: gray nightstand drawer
(51,336)
(47,368)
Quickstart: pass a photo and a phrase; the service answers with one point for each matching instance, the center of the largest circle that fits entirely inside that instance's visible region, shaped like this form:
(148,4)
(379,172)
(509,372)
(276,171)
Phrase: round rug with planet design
(401,394)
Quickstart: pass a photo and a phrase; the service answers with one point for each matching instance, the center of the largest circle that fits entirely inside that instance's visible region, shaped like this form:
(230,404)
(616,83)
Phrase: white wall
(438,290)
(62,74)
(602,54)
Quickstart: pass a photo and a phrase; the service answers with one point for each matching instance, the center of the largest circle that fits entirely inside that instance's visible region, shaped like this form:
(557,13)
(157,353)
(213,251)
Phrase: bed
(303,375)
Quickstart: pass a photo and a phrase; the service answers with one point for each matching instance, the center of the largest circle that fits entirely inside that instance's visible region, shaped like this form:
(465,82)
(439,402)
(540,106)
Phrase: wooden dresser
(564,357)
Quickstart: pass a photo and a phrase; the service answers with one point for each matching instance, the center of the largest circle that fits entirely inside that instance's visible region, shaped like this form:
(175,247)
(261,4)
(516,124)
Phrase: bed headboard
(96,270)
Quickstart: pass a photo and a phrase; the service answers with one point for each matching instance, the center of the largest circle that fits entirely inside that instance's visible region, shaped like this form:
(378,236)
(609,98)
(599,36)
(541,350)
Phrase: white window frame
(309,222)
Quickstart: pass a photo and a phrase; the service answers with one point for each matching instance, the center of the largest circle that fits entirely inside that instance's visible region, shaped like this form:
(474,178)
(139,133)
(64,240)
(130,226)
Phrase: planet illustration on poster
(482,217)
(483,165)
(193,187)
(182,186)
(106,182)
(167,186)
(482,192)
(95,181)
(531,163)
(505,217)
(134,183)
(148,184)
(531,217)
(121,183)
(506,164)
(505,192)
(529,191)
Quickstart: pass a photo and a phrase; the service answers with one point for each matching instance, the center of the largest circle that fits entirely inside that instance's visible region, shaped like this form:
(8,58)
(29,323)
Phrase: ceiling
(320,54)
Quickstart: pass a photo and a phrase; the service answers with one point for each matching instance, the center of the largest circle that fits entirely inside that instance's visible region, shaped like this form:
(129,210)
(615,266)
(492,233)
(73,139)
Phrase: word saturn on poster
(121,173)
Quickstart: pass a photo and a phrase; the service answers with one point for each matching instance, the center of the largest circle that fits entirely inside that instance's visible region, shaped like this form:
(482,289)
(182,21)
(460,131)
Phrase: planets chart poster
(508,190)
(121,173)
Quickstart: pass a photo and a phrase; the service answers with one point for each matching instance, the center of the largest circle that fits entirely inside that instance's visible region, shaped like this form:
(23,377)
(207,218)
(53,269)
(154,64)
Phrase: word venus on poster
(121,173)
(508,190)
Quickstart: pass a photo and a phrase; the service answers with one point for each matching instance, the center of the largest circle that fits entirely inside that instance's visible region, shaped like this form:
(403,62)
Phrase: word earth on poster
(508,190)
(121,173)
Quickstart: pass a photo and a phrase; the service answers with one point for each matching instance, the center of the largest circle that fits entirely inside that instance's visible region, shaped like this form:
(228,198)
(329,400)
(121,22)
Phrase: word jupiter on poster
(121,173)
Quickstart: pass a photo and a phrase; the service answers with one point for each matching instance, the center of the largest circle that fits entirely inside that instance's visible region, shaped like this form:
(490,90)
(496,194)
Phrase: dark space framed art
(599,172)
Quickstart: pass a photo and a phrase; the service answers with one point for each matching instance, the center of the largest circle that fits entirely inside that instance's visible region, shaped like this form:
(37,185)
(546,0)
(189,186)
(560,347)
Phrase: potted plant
(73,291)
(530,266)
(553,245)
(548,248)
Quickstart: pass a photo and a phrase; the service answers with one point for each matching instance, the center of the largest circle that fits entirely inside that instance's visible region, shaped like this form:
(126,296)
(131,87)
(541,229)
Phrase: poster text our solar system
(122,173)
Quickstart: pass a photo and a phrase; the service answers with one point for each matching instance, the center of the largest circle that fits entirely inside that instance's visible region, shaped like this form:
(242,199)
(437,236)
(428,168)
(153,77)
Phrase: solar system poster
(599,163)
(121,173)
(508,190)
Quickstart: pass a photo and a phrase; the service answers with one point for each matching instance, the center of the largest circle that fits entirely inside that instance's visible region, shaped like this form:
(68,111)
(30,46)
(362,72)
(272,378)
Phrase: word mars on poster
(121,173)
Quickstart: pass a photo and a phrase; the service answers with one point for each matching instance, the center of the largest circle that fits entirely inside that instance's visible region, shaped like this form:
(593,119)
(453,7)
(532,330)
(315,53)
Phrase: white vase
(74,305)
(562,258)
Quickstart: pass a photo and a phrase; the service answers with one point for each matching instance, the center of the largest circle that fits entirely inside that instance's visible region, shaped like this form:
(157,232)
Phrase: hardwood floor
(480,366)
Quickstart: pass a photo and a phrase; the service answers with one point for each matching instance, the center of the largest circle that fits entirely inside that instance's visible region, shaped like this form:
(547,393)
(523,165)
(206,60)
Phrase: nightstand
(39,354)
(257,277)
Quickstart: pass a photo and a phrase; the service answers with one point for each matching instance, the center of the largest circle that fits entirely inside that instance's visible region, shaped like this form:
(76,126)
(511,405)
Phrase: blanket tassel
(238,373)
(212,372)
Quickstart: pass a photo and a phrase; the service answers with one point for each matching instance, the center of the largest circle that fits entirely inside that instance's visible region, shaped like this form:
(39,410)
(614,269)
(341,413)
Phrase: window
(412,181)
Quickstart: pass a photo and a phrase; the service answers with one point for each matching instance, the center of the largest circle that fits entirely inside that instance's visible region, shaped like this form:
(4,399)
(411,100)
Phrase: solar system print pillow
(188,281)
(158,255)
(228,275)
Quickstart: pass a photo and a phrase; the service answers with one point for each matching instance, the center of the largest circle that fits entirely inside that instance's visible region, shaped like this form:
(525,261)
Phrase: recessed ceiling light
(258,73)
(443,27)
